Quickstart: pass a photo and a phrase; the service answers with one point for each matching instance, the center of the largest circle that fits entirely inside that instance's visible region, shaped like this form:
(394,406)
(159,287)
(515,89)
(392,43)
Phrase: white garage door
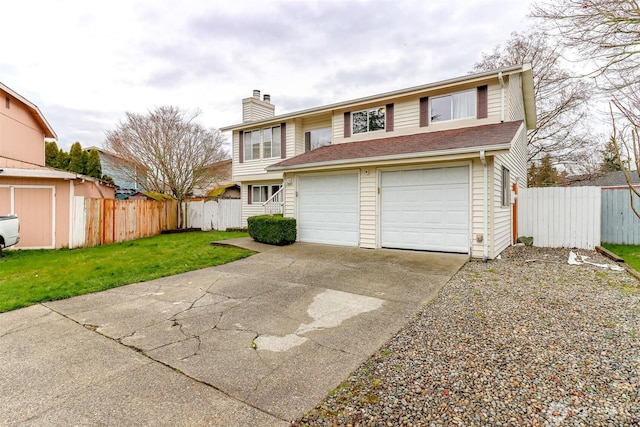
(328,209)
(426,209)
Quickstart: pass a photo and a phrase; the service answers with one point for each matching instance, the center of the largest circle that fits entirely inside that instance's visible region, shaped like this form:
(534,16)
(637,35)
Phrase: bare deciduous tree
(168,148)
(626,143)
(605,34)
(562,136)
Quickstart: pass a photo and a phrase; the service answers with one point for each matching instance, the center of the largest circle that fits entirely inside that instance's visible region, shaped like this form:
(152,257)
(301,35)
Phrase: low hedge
(272,229)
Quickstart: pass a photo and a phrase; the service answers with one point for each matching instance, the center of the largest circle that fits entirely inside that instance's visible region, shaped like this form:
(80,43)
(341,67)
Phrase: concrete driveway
(255,342)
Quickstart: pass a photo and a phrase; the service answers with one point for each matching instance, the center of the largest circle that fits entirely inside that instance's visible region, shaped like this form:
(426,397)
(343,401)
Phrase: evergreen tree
(544,174)
(51,154)
(108,179)
(76,159)
(610,160)
(85,160)
(62,160)
(93,167)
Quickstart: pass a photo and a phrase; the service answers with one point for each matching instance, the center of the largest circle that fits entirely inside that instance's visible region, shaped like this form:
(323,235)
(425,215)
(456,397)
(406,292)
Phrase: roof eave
(490,150)
(381,96)
(43,173)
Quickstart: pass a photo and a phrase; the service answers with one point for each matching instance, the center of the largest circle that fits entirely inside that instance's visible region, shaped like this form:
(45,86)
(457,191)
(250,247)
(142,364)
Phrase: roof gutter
(494,149)
(501,96)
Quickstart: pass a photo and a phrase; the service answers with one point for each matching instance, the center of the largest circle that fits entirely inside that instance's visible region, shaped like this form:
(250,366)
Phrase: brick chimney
(254,108)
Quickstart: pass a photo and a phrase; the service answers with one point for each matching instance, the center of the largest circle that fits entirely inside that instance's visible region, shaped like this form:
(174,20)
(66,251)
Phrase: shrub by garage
(272,229)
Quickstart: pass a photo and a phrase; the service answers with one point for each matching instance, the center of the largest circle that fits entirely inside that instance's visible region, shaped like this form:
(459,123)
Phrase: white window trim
(505,197)
(270,192)
(367,110)
(475,106)
(249,149)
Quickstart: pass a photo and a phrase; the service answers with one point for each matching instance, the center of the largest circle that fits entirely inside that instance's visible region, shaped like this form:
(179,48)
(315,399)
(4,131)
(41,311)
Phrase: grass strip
(31,276)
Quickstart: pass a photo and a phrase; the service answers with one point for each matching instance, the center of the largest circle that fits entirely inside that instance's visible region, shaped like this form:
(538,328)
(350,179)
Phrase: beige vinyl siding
(516,101)
(515,161)
(338,127)
(299,139)
(494,103)
(406,115)
(291,130)
(368,207)
(316,122)
(255,109)
(254,208)
(256,166)
(477,210)
(502,216)
(290,193)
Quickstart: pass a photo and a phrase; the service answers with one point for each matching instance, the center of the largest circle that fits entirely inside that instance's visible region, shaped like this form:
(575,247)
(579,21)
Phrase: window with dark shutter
(241,147)
(483,102)
(424,111)
(389,118)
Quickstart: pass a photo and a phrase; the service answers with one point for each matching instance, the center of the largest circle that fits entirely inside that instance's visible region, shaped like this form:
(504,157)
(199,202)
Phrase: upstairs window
(251,143)
(368,120)
(271,142)
(460,105)
(265,143)
(317,138)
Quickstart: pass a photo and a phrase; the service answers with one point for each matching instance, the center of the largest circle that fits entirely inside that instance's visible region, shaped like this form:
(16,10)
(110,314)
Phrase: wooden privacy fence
(620,225)
(213,214)
(561,216)
(97,222)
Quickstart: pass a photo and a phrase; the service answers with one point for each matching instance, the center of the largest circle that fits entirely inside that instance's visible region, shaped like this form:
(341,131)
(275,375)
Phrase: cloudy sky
(86,63)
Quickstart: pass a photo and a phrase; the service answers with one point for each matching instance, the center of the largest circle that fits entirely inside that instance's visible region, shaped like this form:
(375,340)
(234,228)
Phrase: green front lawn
(31,276)
(630,254)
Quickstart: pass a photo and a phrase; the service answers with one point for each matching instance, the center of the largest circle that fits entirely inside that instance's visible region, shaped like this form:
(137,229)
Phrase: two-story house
(431,167)
(42,197)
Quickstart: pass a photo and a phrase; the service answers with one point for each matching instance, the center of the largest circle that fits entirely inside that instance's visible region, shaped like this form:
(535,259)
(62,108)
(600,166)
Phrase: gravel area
(525,340)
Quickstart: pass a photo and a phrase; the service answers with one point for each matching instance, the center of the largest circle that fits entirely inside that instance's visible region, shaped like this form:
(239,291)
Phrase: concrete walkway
(255,342)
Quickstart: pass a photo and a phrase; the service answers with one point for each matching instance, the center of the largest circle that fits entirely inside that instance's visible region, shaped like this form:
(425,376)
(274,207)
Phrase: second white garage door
(328,209)
(426,209)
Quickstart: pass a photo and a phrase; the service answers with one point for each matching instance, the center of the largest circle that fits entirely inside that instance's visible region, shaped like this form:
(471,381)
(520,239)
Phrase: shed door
(426,209)
(35,207)
(328,209)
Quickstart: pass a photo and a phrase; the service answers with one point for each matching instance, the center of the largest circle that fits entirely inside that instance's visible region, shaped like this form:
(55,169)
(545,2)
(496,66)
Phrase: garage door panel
(328,209)
(426,209)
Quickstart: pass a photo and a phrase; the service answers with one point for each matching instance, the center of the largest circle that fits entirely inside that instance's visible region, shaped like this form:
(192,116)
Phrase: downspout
(485,207)
(501,97)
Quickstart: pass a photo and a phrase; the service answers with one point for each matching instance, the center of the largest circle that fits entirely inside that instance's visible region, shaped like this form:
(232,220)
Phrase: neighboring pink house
(42,197)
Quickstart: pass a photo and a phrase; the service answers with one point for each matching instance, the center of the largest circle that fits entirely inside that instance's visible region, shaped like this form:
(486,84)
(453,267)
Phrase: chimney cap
(267,97)
(256,93)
